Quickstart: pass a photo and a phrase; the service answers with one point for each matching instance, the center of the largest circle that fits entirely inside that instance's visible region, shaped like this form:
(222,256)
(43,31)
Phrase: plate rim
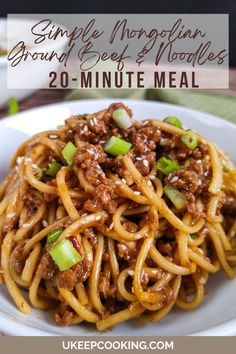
(112,100)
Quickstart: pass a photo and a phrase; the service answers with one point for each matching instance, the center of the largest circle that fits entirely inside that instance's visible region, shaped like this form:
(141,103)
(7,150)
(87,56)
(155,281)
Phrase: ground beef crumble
(105,288)
(63,315)
(229,205)
(192,179)
(18,258)
(67,279)
(103,199)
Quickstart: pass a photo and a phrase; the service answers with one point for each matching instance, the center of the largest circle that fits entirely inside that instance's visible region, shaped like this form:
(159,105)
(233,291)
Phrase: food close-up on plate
(117,218)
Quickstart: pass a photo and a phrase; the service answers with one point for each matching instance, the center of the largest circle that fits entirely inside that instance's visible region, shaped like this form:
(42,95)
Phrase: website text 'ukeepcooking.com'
(117,345)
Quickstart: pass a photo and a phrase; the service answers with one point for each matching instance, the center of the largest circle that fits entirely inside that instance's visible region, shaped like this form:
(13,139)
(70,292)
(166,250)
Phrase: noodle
(93,280)
(65,197)
(15,293)
(133,249)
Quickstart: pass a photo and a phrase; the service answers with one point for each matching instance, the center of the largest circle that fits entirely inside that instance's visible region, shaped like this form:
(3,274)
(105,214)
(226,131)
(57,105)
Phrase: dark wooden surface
(39,98)
(43,97)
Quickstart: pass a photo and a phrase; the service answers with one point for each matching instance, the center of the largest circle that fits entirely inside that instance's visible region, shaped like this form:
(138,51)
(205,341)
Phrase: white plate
(217,313)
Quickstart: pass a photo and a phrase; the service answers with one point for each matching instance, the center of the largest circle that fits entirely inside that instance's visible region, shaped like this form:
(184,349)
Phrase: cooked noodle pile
(104,232)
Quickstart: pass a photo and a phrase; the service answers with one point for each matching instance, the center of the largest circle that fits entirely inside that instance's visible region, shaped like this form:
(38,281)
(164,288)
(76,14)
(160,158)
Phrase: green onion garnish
(53,168)
(176,197)
(190,139)
(69,152)
(116,146)
(167,166)
(225,169)
(85,115)
(122,118)
(194,236)
(53,236)
(64,255)
(173,121)
(13,106)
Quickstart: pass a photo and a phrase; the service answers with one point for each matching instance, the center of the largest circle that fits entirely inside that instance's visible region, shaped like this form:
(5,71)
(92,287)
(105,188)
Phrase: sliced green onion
(176,197)
(225,169)
(13,106)
(69,152)
(85,115)
(116,146)
(194,236)
(53,236)
(122,118)
(173,121)
(167,166)
(190,139)
(64,255)
(53,168)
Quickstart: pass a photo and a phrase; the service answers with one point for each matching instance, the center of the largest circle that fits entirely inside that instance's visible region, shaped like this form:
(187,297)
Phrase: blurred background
(129,6)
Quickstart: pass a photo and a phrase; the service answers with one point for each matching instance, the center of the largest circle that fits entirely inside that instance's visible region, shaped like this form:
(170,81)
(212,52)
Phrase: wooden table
(42,97)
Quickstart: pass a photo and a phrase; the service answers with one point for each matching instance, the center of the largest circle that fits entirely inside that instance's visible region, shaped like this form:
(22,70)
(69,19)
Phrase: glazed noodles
(107,219)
